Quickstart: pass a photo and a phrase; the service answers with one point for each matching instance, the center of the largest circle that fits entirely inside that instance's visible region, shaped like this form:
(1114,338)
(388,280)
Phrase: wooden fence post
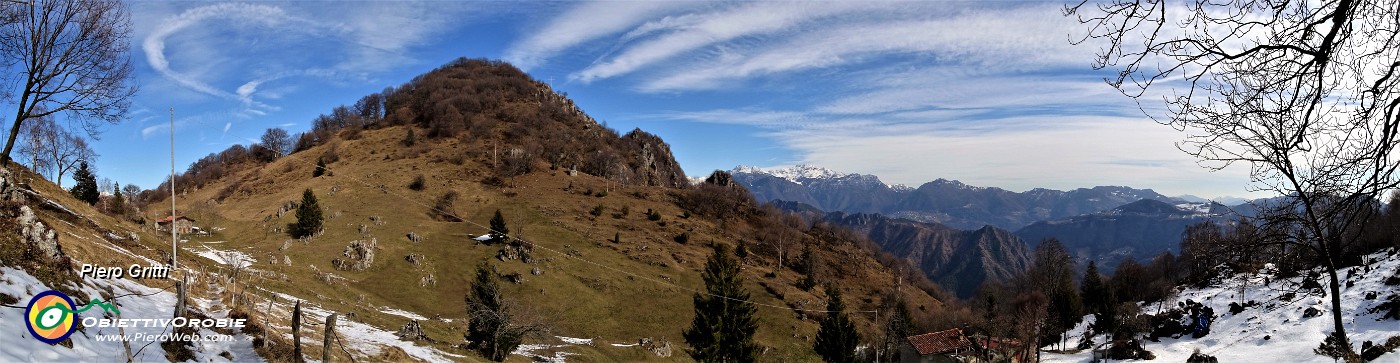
(179,298)
(326,343)
(296,333)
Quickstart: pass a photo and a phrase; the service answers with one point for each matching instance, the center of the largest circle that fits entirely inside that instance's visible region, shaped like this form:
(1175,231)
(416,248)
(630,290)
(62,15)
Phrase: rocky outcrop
(34,232)
(958,260)
(37,234)
(358,256)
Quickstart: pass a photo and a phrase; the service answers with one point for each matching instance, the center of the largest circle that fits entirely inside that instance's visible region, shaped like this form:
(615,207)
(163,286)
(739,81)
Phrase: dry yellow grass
(581,292)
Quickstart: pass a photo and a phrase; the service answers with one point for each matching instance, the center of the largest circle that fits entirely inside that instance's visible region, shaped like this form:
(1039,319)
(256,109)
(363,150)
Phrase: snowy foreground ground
(16,344)
(1290,336)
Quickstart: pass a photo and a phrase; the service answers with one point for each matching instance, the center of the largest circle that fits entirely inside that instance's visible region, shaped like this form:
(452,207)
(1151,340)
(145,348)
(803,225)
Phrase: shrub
(444,210)
(597,210)
(682,238)
(653,215)
(418,183)
(409,138)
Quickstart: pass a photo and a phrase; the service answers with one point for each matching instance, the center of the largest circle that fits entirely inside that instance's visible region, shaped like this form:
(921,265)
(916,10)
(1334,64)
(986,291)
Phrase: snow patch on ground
(575,341)
(232,258)
(406,314)
(19,346)
(1291,337)
(368,340)
(542,353)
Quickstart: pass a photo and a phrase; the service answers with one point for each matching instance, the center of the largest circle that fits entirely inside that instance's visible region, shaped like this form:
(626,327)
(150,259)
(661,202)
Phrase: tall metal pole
(174,240)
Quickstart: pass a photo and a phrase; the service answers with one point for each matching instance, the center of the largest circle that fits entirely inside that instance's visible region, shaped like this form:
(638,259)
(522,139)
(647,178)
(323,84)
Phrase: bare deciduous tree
(1304,92)
(50,148)
(69,57)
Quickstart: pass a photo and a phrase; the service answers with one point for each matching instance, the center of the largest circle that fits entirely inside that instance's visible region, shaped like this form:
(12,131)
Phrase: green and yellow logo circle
(50,317)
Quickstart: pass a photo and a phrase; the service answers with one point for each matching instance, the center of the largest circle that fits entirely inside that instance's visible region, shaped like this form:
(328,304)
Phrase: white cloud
(1006,40)
(583,23)
(689,32)
(154,44)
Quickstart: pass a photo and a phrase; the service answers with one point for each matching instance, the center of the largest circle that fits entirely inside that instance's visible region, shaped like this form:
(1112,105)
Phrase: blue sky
(989,93)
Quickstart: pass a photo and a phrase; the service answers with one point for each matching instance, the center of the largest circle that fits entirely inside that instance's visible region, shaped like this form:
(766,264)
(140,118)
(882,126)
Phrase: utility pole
(174,239)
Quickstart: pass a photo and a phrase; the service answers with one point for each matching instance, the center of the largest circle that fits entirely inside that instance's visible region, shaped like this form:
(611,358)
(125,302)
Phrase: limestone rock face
(358,256)
(32,230)
(36,233)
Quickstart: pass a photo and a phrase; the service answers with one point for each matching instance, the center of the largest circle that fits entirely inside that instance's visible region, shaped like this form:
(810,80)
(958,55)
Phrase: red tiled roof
(168,218)
(941,342)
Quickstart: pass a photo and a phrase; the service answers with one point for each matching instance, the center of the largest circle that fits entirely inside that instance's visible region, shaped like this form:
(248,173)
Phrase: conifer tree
(85,186)
(724,322)
(489,325)
(1097,299)
(809,269)
(320,168)
(308,217)
(118,201)
(837,337)
(499,231)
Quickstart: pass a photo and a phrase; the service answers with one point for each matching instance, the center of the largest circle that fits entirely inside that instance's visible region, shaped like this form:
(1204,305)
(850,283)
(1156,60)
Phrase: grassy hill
(564,201)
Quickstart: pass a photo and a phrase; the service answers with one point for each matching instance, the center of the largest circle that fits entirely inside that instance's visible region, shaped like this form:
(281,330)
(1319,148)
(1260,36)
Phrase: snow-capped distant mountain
(949,202)
(805,174)
(823,188)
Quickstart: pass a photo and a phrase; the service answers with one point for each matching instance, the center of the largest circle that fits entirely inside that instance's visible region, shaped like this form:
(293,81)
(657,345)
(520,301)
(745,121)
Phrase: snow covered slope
(134,301)
(1278,329)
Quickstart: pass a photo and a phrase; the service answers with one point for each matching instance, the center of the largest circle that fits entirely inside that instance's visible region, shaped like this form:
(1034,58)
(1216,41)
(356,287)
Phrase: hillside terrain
(1140,230)
(608,224)
(958,260)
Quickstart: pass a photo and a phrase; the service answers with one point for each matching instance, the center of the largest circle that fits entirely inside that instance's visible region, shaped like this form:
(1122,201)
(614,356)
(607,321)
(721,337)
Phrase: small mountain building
(948,346)
(953,345)
(183,224)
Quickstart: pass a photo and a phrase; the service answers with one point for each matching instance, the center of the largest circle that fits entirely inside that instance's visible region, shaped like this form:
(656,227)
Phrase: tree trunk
(1336,291)
(10,141)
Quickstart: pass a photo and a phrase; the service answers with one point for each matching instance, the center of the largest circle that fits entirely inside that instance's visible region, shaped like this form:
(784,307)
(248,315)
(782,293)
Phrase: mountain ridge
(948,202)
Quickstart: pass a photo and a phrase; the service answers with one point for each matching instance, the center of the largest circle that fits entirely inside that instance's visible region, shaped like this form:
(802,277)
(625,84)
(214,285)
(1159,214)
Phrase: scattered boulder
(1312,312)
(358,256)
(661,348)
(414,237)
(411,331)
(427,280)
(1198,357)
(414,259)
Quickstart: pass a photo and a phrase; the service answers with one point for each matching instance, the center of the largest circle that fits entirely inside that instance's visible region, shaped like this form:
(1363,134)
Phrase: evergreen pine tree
(724,322)
(118,201)
(85,186)
(320,167)
(1097,298)
(837,337)
(1053,274)
(499,231)
(308,217)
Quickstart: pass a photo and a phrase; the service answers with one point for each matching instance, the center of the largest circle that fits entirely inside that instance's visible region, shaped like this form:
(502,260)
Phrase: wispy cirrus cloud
(231,50)
(584,23)
(678,35)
